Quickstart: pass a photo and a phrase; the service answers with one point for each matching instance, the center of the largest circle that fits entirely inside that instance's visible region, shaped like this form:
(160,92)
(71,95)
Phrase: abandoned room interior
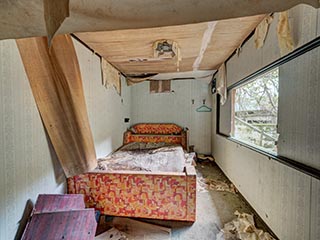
(160,119)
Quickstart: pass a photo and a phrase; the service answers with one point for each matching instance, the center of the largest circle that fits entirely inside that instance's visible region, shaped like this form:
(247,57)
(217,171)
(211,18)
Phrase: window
(255,111)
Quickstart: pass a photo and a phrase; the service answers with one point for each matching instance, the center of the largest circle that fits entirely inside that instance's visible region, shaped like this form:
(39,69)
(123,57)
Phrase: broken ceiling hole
(164,48)
(142,75)
(167,49)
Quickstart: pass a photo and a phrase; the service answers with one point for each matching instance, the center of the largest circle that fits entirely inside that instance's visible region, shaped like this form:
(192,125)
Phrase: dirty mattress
(150,157)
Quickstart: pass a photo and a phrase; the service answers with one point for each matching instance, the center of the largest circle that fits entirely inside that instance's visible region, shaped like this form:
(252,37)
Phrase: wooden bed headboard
(157,132)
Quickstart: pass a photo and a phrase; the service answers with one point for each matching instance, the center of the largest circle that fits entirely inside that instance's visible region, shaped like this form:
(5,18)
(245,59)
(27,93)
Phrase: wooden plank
(78,224)
(59,202)
(56,84)
(136,230)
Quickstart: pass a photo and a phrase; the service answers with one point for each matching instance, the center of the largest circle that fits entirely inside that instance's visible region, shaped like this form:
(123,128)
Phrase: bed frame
(157,132)
(164,195)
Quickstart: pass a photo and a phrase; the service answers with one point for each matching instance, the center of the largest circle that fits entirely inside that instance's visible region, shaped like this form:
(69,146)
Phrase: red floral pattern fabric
(155,133)
(156,128)
(170,197)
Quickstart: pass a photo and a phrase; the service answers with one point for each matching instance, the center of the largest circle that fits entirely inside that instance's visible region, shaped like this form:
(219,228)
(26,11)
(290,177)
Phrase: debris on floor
(243,228)
(203,157)
(61,216)
(112,234)
(204,184)
(126,228)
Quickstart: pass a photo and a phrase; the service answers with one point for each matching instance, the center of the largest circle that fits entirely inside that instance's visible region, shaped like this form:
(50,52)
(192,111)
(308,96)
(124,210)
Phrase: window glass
(255,111)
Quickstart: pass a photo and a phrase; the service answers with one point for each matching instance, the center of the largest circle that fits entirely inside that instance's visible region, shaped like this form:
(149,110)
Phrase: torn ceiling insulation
(204,75)
(25,18)
(139,39)
(190,48)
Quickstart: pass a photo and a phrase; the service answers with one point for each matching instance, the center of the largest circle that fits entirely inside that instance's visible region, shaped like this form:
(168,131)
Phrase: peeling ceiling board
(131,51)
(205,76)
(25,18)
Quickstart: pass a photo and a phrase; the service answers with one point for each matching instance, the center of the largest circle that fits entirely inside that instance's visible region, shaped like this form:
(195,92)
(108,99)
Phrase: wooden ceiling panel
(131,51)
(130,68)
(153,67)
(214,61)
(228,35)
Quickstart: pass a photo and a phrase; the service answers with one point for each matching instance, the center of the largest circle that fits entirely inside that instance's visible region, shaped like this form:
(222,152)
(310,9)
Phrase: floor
(214,209)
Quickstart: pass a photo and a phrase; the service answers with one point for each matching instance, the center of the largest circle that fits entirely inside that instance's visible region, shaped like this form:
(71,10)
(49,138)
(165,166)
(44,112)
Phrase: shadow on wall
(24,219)
(59,175)
(60,178)
(104,146)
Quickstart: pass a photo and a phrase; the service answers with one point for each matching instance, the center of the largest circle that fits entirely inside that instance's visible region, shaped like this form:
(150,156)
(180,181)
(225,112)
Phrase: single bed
(150,176)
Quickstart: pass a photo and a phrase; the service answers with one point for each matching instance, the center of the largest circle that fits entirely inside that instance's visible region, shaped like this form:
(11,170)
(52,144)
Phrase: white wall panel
(303,21)
(279,194)
(250,64)
(318,25)
(299,104)
(176,108)
(315,212)
(286,199)
(28,164)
